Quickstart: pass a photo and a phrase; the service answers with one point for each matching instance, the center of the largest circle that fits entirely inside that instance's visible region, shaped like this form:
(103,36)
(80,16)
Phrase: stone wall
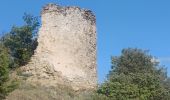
(66,52)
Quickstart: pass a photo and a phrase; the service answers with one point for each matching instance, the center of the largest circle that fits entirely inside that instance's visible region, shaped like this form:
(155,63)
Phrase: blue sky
(141,24)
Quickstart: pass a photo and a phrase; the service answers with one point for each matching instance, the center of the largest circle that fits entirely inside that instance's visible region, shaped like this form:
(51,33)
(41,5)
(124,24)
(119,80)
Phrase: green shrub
(6,85)
(22,41)
(135,76)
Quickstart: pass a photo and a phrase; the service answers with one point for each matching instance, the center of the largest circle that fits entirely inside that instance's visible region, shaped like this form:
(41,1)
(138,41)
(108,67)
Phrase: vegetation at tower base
(16,48)
(4,71)
(136,76)
(22,41)
(6,85)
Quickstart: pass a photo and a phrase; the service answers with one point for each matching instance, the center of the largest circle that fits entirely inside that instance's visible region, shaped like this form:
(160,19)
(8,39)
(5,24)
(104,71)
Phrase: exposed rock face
(66,52)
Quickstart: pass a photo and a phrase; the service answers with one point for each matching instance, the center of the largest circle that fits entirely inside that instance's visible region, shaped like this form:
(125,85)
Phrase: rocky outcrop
(66,52)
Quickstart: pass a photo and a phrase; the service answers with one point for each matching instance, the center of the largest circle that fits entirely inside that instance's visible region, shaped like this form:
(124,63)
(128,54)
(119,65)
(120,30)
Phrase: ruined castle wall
(66,52)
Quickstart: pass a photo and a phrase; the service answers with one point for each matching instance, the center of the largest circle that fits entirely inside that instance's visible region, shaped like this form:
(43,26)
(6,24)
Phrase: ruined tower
(66,52)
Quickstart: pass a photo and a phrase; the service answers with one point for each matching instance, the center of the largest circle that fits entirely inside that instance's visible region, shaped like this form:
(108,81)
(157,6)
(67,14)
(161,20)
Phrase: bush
(135,76)
(6,85)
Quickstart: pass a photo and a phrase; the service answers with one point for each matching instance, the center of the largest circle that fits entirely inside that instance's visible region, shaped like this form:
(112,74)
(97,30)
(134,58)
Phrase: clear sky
(141,24)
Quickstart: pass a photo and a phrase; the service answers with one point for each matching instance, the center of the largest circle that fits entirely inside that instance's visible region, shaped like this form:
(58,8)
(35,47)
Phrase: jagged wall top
(86,14)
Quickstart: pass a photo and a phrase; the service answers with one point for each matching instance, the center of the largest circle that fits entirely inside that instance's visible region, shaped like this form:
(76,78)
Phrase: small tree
(22,40)
(134,76)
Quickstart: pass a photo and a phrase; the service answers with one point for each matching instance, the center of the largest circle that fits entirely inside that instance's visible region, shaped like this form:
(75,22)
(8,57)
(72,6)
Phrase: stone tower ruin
(66,52)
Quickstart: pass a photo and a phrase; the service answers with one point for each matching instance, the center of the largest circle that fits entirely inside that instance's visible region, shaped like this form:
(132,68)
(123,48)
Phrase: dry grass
(27,91)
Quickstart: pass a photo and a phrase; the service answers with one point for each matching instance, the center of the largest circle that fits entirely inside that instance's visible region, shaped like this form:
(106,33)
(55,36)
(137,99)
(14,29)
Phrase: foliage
(4,72)
(16,48)
(6,85)
(135,76)
(21,41)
